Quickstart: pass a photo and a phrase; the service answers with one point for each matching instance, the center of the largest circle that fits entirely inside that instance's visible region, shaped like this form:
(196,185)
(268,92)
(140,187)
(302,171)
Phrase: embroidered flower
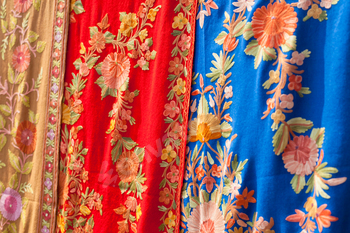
(326,4)
(152,14)
(144,46)
(45,230)
(274,76)
(270,103)
(126,114)
(278,116)
(26,137)
(176,131)
(228,92)
(230,43)
(185,42)
(165,196)
(10,204)
(123,227)
(58,37)
(175,66)
(311,206)
(210,4)
(170,220)
(21,58)
(61,223)
(173,175)
(262,224)
(121,125)
(84,70)
(59,22)
(179,21)
(149,3)
(55,72)
(77,166)
(48,166)
(300,155)
(272,26)
(324,218)
(171,109)
(222,79)
(245,198)
(115,70)
(63,147)
(143,34)
(22,5)
(148,55)
(193,107)
(304,4)
(129,96)
(98,42)
(138,212)
(85,210)
(314,12)
(180,87)
(141,62)
(216,170)
(209,183)
(142,12)
(168,154)
(204,128)
(295,83)
(131,203)
(48,183)
(206,217)
(211,101)
(127,166)
(84,175)
(243,4)
(234,187)
(57,54)
(199,172)
(297,58)
(201,15)
(48,199)
(46,215)
(287,101)
(129,22)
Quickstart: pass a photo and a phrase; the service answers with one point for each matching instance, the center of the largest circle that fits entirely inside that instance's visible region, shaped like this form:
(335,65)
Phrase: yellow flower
(179,21)
(311,206)
(204,128)
(129,22)
(138,212)
(143,34)
(170,221)
(222,80)
(278,116)
(66,114)
(168,153)
(112,125)
(274,76)
(152,14)
(180,88)
(72,3)
(70,150)
(84,210)
(61,223)
(314,11)
(82,48)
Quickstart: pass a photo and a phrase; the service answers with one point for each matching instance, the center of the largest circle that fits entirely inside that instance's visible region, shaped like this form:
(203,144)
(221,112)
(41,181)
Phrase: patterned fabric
(267,130)
(125,112)
(32,64)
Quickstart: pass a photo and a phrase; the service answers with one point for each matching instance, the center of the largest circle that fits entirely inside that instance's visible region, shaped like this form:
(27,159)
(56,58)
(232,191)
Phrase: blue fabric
(326,73)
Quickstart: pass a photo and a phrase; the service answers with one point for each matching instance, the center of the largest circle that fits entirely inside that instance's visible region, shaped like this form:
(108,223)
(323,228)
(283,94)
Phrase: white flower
(228,144)
(243,4)
(228,92)
(234,188)
(200,16)
(211,102)
(326,4)
(304,4)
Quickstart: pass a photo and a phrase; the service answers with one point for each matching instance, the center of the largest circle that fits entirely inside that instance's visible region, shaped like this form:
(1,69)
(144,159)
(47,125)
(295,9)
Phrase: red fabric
(147,109)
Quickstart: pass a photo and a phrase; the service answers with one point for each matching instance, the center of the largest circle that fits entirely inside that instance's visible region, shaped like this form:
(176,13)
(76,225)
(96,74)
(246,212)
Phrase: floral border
(53,116)
(187,62)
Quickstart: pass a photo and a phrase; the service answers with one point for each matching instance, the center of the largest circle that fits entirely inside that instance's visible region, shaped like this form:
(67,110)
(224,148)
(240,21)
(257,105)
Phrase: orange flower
(21,58)
(165,196)
(22,5)
(127,166)
(245,198)
(216,171)
(273,25)
(26,137)
(98,42)
(230,43)
(200,172)
(324,218)
(123,226)
(175,66)
(115,70)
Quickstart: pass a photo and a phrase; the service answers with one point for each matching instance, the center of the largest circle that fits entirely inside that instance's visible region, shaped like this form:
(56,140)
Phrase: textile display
(124,116)
(268,118)
(32,38)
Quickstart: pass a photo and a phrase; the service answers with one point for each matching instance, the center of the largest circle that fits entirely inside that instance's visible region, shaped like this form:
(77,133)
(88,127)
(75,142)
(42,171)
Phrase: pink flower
(243,4)
(287,101)
(200,16)
(59,22)
(144,46)
(141,62)
(228,92)
(297,58)
(185,42)
(55,71)
(10,204)
(77,165)
(22,5)
(300,155)
(209,182)
(194,106)
(57,54)
(304,4)
(131,203)
(210,4)
(84,70)
(176,131)
(234,187)
(126,114)
(326,4)
(173,175)
(261,223)
(115,70)
(63,147)
(171,109)
(21,58)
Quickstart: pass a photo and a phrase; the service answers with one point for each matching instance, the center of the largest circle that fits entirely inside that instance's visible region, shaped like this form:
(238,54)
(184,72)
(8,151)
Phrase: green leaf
(218,146)
(194,201)
(14,160)
(306,53)
(323,16)
(210,159)
(2,187)
(25,21)
(304,91)
(27,168)
(32,36)
(149,41)
(3,141)
(12,41)
(91,62)
(252,48)
(78,7)
(203,106)
(109,37)
(267,84)
(40,46)
(3,26)
(153,54)
(300,125)
(14,181)
(10,74)
(93,31)
(98,68)
(317,134)
(25,101)
(268,53)
(248,31)
(226,129)
(291,44)
(280,139)
(123,186)
(335,2)
(121,16)
(77,63)
(5,109)
(298,183)
(220,38)
(240,28)
(117,151)
(140,152)
(218,68)
(12,228)
(37,4)
(129,143)
(13,22)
